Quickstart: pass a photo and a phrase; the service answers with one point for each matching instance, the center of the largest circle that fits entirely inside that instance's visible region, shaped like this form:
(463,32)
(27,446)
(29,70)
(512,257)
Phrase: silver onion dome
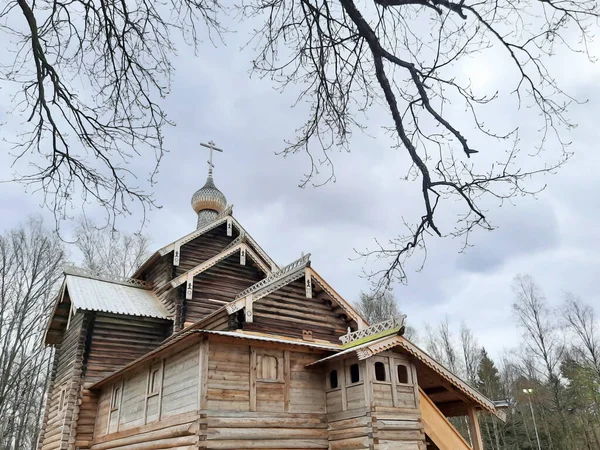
(208,202)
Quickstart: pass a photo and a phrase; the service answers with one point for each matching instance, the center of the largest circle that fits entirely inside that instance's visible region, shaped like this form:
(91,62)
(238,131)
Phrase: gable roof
(372,348)
(93,294)
(88,292)
(236,246)
(286,275)
(225,217)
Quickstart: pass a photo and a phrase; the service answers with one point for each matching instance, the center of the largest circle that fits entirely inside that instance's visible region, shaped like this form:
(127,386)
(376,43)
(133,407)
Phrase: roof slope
(99,295)
(371,348)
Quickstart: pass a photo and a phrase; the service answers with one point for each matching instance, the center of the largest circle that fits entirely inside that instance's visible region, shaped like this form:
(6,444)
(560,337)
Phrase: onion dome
(208,202)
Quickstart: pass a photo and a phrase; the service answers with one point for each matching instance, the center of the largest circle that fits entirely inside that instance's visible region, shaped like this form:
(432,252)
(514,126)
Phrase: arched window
(333,379)
(354,373)
(380,371)
(402,374)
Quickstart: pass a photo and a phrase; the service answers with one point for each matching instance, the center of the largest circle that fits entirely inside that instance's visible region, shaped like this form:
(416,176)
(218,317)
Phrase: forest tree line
(557,363)
(553,378)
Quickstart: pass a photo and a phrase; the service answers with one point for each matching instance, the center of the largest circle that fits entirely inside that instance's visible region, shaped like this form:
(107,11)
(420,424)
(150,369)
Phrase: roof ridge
(86,273)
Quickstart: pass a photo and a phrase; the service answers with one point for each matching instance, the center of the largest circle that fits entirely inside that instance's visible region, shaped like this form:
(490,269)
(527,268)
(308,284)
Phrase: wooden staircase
(438,428)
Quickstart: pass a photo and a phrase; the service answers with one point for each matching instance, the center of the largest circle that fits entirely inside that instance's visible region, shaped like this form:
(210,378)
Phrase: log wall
(287,311)
(203,248)
(219,285)
(65,385)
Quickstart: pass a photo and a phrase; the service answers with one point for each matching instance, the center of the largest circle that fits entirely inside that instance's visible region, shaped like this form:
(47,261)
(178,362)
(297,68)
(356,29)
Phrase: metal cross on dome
(210,146)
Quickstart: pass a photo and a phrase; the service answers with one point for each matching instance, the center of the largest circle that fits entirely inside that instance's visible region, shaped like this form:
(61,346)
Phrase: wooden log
(165,433)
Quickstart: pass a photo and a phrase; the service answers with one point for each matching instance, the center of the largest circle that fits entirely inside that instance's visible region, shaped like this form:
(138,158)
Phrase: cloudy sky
(553,237)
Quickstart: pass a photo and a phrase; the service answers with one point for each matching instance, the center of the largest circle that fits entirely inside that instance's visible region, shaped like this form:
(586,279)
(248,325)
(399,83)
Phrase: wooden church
(212,345)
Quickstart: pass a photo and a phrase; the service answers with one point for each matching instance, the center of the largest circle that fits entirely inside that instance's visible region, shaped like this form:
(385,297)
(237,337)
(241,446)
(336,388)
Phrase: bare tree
(106,251)
(581,320)
(381,305)
(31,260)
(92,74)
(471,353)
(540,329)
(377,307)
(401,55)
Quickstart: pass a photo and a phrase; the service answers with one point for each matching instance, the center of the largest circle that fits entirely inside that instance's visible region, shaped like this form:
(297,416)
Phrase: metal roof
(93,294)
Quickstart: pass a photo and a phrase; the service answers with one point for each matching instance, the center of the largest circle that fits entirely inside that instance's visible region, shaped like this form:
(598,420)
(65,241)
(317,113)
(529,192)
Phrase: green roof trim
(373,337)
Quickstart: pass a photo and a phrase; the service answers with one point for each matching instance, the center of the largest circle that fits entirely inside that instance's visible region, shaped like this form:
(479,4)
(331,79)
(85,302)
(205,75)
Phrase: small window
(154,385)
(267,368)
(354,373)
(402,374)
(63,400)
(333,379)
(380,371)
(116,399)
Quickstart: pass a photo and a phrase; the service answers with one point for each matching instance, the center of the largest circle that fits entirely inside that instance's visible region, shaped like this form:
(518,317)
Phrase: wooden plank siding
(287,311)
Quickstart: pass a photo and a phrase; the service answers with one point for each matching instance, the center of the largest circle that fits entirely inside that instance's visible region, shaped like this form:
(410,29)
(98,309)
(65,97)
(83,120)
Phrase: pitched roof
(371,348)
(95,294)
(224,217)
(235,247)
(286,275)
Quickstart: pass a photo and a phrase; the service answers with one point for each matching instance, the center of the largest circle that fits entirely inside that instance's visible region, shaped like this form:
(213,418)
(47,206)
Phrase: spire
(208,201)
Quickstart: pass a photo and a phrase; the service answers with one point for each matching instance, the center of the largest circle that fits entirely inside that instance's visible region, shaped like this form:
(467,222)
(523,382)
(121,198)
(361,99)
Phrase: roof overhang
(190,337)
(225,217)
(372,348)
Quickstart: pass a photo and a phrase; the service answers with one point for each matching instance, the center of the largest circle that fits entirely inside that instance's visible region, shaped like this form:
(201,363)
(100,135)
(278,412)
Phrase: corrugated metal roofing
(98,295)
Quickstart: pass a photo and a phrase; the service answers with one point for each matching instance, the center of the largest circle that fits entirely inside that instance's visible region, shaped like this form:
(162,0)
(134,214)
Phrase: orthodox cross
(210,146)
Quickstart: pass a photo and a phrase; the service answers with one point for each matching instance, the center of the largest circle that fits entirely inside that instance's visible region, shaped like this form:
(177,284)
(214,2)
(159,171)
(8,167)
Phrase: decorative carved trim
(189,287)
(363,353)
(207,264)
(243,255)
(176,254)
(274,277)
(307,284)
(190,237)
(381,327)
(229,227)
(78,271)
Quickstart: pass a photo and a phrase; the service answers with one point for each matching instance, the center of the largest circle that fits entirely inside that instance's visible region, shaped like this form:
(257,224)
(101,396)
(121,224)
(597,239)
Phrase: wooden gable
(288,312)
(203,248)
(218,286)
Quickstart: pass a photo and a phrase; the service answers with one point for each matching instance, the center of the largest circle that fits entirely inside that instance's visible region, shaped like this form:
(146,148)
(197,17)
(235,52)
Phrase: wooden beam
(252,379)
(474,428)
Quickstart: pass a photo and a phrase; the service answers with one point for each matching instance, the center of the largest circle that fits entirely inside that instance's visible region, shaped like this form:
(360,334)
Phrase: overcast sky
(554,237)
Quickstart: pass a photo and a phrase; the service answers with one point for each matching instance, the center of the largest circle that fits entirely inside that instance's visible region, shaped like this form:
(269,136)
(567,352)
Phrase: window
(63,399)
(402,374)
(333,379)
(154,382)
(268,367)
(354,373)
(116,399)
(380,371)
